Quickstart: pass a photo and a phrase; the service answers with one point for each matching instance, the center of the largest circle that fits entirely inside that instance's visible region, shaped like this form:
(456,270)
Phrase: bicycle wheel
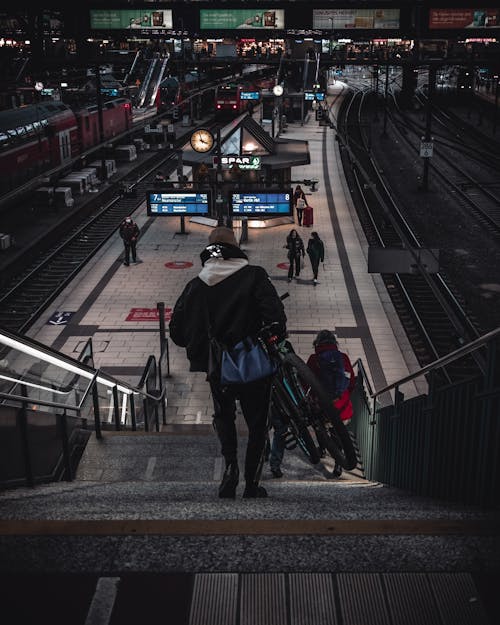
(318,409)
(290,414)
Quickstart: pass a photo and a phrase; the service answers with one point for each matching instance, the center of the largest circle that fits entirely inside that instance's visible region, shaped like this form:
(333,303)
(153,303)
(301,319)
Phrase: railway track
(26,295)
(430,311)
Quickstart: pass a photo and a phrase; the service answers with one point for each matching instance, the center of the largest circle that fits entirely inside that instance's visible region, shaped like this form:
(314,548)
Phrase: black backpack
(332,373)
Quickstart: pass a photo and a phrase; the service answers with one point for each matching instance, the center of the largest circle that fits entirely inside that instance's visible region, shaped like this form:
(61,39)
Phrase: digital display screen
(181,202)
(249,95)
(262,203)
(319,96)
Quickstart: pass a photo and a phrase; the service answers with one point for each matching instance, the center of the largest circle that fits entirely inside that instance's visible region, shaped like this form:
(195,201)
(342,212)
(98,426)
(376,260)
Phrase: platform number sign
(175,112)
(426,148)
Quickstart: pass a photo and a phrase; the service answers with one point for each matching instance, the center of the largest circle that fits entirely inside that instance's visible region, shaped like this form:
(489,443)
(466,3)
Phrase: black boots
(227,488)
(253,490)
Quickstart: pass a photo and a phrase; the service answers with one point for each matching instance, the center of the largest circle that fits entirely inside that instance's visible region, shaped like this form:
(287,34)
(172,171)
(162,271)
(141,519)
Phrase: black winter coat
(237,307)
(295,247)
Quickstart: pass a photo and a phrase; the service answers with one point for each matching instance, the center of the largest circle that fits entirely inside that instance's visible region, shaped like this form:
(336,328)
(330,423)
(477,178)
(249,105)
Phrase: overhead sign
(343,19)
(249,95)
(230,19)
(243,162)
(464,18)
(130,19)
(317,96)
(262,204)
(182,202)
(147,314)
(60,318)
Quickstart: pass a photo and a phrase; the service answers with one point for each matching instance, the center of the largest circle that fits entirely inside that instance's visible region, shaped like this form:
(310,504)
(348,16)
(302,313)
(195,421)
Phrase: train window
(21,130)
(3,138)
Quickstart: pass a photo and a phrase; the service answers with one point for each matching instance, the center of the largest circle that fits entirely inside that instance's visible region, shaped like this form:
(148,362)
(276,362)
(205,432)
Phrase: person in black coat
(316,253)
(231,299)
(129,232)
(296,253)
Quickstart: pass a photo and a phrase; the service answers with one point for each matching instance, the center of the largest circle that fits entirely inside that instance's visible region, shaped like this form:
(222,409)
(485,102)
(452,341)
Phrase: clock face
(202,140)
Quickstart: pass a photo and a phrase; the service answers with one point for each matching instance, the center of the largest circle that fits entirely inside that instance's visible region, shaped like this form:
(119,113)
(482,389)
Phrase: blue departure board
(182,202)
(249,95)
(262,203)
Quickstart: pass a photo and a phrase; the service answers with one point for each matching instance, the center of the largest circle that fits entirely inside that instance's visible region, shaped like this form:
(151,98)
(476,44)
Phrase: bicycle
(299,400)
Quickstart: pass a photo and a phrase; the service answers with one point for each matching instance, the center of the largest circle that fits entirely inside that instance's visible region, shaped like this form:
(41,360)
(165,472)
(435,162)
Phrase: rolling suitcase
(308,218)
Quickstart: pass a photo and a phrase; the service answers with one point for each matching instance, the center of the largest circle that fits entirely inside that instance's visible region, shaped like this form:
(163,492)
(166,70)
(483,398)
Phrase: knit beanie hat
(224,235)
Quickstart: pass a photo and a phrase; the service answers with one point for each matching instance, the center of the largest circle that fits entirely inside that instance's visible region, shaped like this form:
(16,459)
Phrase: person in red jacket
(334,369)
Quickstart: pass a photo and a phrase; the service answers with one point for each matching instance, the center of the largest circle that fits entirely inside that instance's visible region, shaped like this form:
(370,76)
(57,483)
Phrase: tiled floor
(348,299)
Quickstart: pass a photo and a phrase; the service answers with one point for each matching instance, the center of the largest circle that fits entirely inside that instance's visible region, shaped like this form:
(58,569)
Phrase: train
(233,99)
(41,137)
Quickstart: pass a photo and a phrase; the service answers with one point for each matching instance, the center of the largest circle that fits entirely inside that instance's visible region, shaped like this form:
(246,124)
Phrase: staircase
(142,525)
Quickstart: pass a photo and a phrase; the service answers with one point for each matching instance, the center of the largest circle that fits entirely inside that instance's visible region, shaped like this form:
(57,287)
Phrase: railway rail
(26,295)
(432,315)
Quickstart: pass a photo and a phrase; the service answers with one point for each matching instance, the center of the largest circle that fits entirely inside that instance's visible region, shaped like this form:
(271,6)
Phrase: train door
(64,145)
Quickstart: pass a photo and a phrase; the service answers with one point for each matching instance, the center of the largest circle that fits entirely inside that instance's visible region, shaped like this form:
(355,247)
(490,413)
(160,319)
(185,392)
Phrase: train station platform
(318,550)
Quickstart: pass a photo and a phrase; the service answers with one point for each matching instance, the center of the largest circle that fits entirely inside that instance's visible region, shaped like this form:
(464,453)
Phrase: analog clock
(202,140)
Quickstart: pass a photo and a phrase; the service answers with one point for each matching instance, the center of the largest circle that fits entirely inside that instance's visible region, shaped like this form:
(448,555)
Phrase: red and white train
(37,138)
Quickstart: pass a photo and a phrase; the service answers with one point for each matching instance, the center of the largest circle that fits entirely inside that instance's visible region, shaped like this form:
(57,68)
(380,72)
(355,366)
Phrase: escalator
(149,88)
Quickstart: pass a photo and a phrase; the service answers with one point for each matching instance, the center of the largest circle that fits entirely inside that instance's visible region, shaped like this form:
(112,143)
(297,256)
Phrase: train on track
(40,137)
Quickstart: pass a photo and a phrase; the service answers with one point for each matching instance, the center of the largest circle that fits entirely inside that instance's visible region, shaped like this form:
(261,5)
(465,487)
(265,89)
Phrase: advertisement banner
(125,19)
(230,19)
(464,18)
(342,19)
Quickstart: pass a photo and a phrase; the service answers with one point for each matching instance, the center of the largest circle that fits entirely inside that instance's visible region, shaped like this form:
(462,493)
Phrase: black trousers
(315,266)
(130,246)
(300,214)
(254,401)
(294,262)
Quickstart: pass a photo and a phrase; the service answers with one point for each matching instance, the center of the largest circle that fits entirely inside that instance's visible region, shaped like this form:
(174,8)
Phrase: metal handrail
(39,402)
(436,364)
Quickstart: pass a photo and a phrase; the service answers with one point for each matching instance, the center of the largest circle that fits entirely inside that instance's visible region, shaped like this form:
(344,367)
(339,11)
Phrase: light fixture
(278,90)
(249,147)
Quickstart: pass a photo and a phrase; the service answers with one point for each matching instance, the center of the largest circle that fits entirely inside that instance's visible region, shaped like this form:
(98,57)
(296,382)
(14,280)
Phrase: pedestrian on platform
(296,253)
(129,232)
(299,202)
(228,301)
(316,253)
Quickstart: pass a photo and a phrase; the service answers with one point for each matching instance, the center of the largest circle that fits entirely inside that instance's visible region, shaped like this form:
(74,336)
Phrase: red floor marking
(147,314)
(283,265)
(178,264)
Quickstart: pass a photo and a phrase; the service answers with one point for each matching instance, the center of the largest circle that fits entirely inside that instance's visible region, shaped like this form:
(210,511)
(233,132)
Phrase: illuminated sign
(343,19)
(243,162)
(464,18)
(229,19)
(130,19)
(249,95)
(262,204)
(181,202)
(310,96)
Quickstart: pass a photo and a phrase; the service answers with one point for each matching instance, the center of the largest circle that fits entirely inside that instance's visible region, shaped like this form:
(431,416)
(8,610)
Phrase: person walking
(334,369)
(129,232)
(316,253)
(299,202)
(230,300)
(296,253)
